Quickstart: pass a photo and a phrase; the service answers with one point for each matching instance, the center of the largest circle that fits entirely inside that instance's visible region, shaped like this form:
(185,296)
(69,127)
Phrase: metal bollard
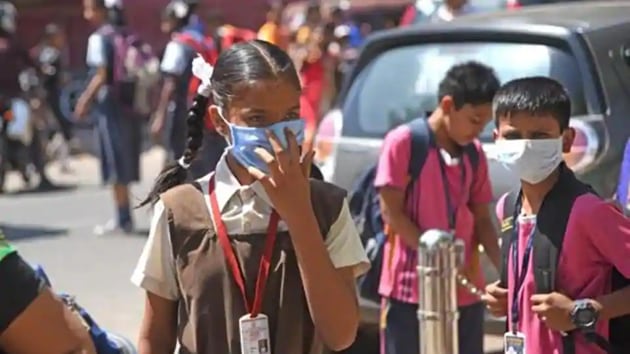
(440,254)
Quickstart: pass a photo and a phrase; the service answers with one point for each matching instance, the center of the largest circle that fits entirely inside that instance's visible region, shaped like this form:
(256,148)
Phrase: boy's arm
(486,233)
(480,199)
(609,231)
(392,202)
(391,180)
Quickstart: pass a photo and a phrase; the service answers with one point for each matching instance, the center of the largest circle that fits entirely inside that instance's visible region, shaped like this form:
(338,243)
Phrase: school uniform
(596,241)
(428,207)
(183,261)
(118,131)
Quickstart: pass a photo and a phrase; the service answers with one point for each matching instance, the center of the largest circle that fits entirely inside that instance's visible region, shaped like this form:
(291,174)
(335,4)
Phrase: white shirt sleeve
(96,56)
(174,59)
(344,244)
(155,271)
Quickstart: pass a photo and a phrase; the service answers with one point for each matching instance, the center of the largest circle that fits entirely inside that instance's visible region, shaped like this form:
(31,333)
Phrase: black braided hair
(241,64)
(175,174)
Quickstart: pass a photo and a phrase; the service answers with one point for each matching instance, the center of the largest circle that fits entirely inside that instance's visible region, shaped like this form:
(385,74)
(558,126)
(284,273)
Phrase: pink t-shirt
(597,239)
(399,278)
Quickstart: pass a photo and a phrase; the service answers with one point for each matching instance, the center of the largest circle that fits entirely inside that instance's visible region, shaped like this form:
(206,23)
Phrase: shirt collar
(227,185)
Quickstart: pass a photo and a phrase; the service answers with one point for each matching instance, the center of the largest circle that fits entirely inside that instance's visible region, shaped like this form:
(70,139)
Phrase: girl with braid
(255,257)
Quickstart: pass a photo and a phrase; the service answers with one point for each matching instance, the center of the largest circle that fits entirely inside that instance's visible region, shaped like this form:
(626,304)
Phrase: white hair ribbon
(203,71)
(182,162)
(110,4)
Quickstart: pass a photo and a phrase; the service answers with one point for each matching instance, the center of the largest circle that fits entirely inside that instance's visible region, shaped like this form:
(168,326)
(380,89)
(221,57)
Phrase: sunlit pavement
(55,229)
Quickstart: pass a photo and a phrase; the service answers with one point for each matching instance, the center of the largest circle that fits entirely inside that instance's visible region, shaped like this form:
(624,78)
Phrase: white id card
(254,334)
(514,343)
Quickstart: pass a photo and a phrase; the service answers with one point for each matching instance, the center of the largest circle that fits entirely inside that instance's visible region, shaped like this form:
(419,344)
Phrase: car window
(401,84)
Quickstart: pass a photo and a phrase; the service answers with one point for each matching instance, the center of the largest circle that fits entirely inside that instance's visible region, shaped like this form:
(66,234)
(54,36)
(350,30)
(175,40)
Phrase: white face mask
(532,160)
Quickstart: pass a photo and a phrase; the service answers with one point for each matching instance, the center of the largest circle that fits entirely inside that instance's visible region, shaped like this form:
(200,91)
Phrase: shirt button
(246,226)
(246,193)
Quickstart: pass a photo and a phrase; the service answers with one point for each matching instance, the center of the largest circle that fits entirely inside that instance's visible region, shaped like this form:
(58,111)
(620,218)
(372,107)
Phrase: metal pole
(440,254)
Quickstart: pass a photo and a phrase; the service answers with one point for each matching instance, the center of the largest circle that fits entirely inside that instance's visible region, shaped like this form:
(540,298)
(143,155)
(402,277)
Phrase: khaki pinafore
(211,304)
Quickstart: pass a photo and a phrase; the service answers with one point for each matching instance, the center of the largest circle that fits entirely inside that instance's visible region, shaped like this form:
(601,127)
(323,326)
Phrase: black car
(584,45)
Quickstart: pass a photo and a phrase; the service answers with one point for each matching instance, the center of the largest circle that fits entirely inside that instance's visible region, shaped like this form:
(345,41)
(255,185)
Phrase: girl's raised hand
(287,183)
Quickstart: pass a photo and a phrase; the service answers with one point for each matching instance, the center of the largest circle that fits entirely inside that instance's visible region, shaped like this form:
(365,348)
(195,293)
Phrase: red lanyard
(255,306)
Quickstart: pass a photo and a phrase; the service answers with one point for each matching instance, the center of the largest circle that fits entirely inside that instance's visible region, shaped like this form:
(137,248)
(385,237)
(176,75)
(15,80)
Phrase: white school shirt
(174,61)
(245,210)
(95,54)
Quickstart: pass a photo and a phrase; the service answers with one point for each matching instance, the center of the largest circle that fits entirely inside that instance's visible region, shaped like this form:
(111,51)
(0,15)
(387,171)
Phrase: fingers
(259,175)
(292,145)
(307,162)
(538,299)
(290,155)
(495,290)
(283,157)
(540,308)
(272,163)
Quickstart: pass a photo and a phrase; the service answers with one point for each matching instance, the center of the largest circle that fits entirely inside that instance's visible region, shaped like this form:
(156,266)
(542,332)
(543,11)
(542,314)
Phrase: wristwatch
(584,315)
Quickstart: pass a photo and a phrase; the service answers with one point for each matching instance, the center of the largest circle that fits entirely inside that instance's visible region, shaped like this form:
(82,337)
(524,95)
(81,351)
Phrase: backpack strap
(421,140)
(551,226)
(473,156)
(507,208)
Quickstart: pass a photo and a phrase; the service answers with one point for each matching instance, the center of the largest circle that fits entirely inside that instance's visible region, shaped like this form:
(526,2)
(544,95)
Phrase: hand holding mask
(279,167)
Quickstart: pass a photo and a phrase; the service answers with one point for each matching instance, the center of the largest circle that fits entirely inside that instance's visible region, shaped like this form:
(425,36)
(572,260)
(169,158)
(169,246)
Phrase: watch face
(584,317)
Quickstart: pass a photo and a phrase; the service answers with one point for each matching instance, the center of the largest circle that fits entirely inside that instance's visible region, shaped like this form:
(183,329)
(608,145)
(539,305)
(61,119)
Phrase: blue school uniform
(117,130)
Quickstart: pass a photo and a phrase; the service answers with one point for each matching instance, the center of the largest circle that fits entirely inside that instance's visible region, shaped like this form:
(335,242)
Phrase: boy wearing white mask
(564,248)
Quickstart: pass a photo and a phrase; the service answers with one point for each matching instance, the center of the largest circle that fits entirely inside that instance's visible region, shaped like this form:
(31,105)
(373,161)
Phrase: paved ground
(55,229)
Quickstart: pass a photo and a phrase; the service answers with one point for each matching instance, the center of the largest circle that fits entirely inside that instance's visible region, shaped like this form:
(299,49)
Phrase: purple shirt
(399,277)
(597,239)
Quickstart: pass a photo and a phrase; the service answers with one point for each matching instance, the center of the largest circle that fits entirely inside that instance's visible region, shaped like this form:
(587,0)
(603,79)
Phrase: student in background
(118,131)
(272,30)
(49,55)
(463,205)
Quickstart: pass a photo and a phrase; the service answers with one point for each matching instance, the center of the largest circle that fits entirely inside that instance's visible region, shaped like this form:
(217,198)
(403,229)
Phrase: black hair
(170,12)
(50,31)
(115,14)
(537,96)
(239,65)
(313,8)
(337,12)
(469,83)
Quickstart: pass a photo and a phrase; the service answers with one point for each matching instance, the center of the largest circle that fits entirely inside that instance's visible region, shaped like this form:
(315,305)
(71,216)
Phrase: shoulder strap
(551,226)
(187,211)
(473,155)
(509,203)
(421,140)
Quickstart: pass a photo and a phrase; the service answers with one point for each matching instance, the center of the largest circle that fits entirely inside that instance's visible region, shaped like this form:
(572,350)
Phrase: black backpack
(365,206)
(551,225)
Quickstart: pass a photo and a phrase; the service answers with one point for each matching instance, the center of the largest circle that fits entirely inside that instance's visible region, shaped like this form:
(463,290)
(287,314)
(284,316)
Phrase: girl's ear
(218,122)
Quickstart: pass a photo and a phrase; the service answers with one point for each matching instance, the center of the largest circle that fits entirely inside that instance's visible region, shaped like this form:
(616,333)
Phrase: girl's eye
(256,120)
(293,115)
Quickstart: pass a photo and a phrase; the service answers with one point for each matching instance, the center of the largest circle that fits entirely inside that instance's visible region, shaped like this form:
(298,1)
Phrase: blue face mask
(246,139)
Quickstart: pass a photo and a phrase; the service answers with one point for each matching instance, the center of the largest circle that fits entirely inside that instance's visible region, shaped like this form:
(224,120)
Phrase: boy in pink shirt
(451,193)
(568,312)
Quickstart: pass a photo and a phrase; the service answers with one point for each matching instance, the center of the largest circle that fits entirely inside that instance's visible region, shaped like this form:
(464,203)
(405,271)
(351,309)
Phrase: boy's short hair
(537,96)
(469,83)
